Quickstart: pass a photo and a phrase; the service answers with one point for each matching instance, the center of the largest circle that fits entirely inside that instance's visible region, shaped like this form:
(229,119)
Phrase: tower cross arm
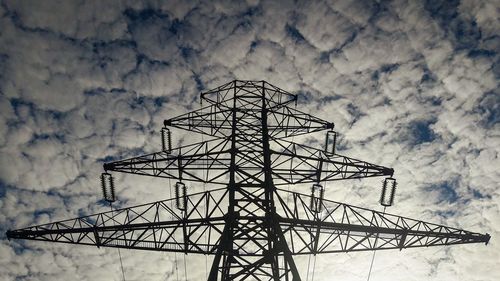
(295,163)
(182,163)
(284,121)
(156,226)
(213,120)
(244,97)
(341,227)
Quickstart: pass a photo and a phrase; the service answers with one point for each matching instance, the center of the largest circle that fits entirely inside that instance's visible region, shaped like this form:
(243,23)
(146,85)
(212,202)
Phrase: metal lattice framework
(252,227)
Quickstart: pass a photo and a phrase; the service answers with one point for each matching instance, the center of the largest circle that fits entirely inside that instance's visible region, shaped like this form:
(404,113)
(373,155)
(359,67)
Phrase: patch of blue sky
(465,33)
(445,192)
(418,132)
(294,34)
(489,109)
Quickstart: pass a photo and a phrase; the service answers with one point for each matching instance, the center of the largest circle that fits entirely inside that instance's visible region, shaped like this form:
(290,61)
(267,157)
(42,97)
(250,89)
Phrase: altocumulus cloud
(409,84)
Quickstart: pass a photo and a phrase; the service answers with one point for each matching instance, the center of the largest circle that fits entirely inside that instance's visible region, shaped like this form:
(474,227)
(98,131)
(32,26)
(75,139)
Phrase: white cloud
(323,27)
(82,81)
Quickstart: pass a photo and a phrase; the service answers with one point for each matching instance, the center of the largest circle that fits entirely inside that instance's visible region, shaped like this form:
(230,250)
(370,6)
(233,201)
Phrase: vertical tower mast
(252,250)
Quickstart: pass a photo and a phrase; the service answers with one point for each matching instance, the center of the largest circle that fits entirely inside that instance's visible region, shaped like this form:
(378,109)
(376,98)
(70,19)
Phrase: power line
(119,253)
(175,253)
(374,252)
(185,269)
(314,268)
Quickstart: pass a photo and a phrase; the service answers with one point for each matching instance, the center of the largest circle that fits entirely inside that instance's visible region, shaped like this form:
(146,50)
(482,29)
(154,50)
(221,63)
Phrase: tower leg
(223,246)
(290,266)
(227,266)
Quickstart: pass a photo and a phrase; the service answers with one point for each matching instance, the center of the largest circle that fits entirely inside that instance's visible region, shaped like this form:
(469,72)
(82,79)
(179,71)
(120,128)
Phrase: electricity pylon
(251,226)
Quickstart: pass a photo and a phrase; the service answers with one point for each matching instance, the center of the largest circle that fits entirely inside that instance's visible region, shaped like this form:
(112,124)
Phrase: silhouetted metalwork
(252,227)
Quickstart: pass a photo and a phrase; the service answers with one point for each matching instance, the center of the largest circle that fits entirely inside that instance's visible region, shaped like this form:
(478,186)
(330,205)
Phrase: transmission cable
(314,268)
(291,178)
(119,252)
(308,265)
(321,202)
(374,251)
(205,177)
(185,268)
(291,160)
(172,208)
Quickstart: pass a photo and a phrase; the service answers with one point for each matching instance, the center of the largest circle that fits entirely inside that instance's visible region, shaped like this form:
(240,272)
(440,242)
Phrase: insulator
(108,187)
(166,140)
(330,142)
(388,192)
(317,192)
(180,196)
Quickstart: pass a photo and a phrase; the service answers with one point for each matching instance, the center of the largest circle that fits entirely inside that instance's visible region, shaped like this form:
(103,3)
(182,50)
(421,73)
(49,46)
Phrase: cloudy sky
(411,85)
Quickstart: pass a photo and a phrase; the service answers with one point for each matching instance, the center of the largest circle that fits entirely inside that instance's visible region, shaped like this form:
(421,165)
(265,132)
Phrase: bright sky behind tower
(411,85)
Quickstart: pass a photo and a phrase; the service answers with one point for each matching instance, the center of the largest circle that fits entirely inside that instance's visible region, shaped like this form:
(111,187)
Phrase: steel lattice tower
(251,226)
